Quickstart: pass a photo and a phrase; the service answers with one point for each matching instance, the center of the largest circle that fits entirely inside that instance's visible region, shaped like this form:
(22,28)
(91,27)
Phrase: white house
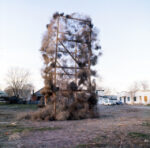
(3,95)
(100,94)
(140,97)
(102,98)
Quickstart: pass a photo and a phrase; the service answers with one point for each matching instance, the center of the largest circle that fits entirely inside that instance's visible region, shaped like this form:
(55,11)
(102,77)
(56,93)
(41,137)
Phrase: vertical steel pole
(55,81)
(89,60)
(75,68)
(76,63)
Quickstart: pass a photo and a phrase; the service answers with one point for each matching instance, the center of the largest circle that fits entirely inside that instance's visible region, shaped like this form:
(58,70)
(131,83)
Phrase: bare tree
(9,91)
(144,85)
(0,87)
(18,82)
(107,91)
(133,89)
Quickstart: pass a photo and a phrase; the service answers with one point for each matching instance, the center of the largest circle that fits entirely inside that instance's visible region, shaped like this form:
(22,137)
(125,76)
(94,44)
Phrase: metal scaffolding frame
(73,56)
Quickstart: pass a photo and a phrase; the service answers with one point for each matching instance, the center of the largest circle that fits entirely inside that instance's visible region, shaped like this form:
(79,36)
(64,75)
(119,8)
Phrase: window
(128,98)
(120,98)
(145,98)
(134,98)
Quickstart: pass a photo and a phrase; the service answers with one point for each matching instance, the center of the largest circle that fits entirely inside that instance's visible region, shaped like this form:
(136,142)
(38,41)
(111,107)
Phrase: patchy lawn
(118,126)
(18,106)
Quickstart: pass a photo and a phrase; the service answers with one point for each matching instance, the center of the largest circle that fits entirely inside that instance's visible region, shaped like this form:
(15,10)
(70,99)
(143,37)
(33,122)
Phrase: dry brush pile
(69,93)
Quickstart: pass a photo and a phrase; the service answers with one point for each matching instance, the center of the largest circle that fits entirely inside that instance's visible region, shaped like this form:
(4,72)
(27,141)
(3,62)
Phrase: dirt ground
(120,126)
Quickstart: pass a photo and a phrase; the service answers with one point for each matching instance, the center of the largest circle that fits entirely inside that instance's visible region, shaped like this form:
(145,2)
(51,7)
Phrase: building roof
(99,90)
(143,91)
(38,93)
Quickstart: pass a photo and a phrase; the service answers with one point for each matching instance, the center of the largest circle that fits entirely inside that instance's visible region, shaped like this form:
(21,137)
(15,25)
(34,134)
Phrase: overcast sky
(124,36)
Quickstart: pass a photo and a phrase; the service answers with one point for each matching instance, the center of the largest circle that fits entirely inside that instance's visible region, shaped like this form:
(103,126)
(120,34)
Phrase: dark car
(13,100)
(119,103)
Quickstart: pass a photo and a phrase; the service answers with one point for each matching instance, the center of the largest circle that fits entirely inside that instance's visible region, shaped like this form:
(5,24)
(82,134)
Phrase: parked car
(13,100)
(108,102)
(119,103)
(113,101)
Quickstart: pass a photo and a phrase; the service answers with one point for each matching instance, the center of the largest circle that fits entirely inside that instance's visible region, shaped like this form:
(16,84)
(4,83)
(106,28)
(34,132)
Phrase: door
(145,99)
(124,99)
(140,99)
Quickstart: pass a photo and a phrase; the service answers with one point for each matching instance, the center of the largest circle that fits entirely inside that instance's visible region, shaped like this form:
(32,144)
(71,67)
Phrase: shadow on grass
(96,142)
(19,106)
(91,145)
(146,124)
(17,128)
(139,135)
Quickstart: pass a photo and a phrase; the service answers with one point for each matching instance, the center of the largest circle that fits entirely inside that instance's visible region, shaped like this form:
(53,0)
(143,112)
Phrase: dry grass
(75,111)
(110,130)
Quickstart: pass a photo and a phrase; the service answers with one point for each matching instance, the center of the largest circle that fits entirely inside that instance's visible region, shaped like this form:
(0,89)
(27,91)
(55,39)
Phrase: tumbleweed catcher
(69,48)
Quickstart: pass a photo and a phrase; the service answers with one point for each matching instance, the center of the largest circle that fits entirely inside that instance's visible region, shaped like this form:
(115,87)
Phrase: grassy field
(118,126)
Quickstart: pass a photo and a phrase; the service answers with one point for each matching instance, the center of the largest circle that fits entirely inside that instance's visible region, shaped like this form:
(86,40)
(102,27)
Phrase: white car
(108,102)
